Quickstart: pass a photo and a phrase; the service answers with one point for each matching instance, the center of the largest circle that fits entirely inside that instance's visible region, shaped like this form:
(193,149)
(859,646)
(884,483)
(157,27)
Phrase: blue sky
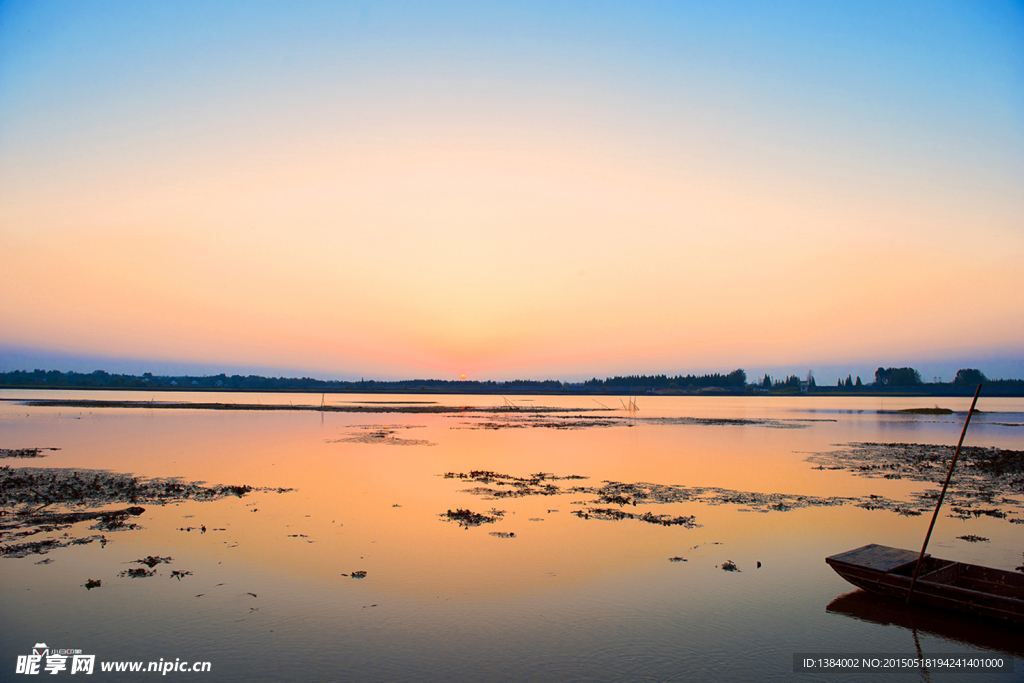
(512,189)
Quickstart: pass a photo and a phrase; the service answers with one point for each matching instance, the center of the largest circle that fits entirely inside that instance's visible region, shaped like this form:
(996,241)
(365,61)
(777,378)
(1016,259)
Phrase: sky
(512,190)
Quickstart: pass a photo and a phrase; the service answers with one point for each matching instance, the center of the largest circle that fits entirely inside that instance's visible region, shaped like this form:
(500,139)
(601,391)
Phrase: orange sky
(463,213)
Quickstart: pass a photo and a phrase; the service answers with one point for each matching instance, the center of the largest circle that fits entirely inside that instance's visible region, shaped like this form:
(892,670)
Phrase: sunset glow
(511,191)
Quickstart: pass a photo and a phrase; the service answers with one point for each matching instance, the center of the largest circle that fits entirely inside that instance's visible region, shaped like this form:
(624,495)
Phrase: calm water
(538,594)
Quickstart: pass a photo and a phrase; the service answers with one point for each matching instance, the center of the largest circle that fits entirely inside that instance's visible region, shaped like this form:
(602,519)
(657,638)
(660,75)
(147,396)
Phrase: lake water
(544,587)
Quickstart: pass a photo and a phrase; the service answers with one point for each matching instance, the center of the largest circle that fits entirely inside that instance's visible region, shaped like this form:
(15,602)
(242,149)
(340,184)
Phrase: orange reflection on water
(561,596)
(376,506)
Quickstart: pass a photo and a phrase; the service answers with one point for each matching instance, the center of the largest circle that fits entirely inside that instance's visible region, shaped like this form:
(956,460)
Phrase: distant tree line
(887,380)
(737,380)
(734,381)
(909,380)
(909,377)
(895,380)
(790,384)
(104,380)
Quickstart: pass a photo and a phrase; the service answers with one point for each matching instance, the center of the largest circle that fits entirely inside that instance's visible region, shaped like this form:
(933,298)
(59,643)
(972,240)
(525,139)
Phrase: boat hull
(956,586)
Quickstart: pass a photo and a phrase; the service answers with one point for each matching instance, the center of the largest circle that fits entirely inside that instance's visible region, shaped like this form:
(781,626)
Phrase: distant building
(805,385)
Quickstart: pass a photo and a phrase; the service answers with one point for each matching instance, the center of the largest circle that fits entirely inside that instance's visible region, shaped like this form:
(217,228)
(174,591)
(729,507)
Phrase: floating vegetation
(546,490)
(43,500)
(45,546)
(397,403)
(504,534)
(677,559)
(468,518)
(382,434)
(616,515)
(510,486)
(107,519)
(93,583)
(25,452)
(93,488)
(622,494)
(555,421)
(151,561)
(487,477)
(967,513)
(971,538)
(926,411)
(730,566)
(114,521)
(236,490)
(875,502)
(33,547)
(357,574)
(983,479)
(137,573)
(792,423)
(524,420)
(610,493)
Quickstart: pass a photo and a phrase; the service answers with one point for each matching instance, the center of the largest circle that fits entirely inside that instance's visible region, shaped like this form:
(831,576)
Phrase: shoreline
(274,407)
(392,407)
(905,392)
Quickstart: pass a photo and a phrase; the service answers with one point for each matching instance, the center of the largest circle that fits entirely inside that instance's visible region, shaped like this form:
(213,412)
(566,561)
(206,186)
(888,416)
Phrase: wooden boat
(941,583)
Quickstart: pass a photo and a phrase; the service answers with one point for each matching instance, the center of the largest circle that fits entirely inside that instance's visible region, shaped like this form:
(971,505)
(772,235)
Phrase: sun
(462,377)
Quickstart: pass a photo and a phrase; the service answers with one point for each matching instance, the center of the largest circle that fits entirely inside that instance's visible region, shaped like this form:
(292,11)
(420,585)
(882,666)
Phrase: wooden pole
(949,475)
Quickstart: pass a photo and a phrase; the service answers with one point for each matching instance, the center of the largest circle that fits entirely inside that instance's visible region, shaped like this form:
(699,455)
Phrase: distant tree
(736,378)
(897,377)
(849,382)
(859,383)
(969,377)
(766,382)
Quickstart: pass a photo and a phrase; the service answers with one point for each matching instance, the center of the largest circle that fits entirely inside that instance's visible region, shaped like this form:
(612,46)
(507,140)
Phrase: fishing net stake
(949,475)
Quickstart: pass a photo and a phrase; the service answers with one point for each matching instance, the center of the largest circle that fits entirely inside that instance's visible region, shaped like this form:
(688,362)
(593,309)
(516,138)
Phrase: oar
(949,474)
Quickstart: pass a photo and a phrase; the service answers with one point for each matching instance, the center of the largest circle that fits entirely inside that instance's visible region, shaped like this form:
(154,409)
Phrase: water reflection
(954,629)
(269,592)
